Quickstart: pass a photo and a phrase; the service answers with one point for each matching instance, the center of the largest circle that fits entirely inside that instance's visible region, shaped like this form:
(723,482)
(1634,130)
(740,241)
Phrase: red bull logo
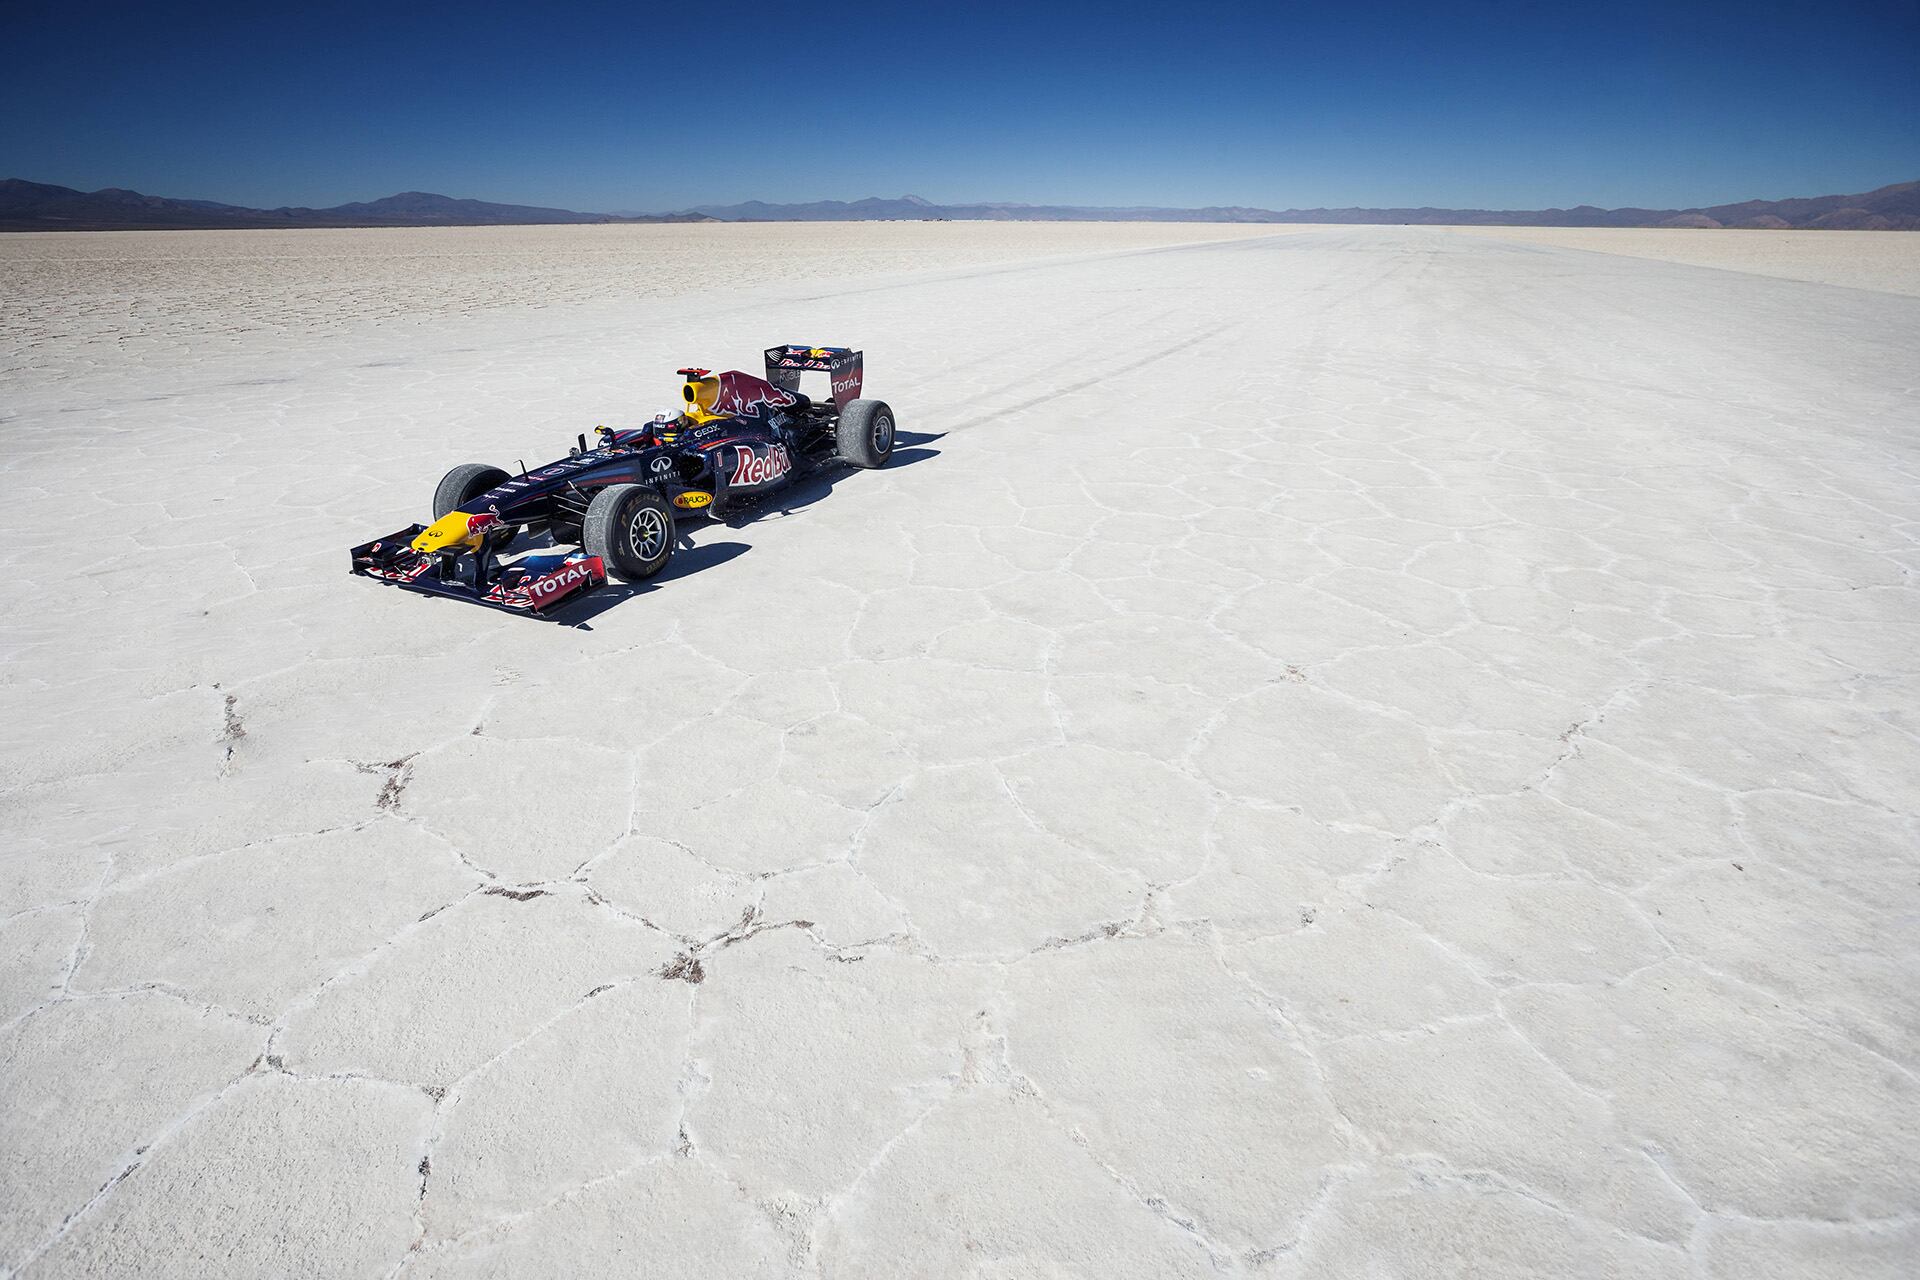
(752,468)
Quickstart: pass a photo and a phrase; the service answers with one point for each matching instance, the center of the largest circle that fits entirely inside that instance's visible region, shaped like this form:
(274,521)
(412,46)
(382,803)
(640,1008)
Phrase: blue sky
(635,105)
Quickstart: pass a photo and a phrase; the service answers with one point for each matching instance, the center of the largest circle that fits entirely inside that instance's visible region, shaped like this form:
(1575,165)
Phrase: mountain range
(1889,208)
(38,206)
(34,206)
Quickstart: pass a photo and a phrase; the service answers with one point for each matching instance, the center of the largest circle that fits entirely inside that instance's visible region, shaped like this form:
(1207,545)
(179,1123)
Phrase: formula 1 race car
(610,507)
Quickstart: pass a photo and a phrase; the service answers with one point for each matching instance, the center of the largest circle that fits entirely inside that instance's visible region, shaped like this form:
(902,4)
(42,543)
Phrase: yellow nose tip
(445,534)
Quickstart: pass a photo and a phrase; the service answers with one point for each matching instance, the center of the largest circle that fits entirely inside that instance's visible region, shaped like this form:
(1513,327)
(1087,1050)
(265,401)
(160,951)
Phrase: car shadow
(809,489)
(692,556)
(688,558)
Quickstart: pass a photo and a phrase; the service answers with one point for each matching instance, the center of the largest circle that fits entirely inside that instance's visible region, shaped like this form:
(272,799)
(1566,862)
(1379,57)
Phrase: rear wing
(842,366)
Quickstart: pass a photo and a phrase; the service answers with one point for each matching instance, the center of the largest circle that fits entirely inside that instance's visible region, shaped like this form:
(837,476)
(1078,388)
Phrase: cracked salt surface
(1348,753)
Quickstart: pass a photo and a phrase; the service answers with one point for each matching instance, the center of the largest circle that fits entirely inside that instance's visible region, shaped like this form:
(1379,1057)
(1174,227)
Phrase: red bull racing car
(610,507)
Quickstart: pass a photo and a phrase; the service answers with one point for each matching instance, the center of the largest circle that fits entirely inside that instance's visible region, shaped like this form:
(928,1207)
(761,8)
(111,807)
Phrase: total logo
(563,581)
(751,468)
(843,385)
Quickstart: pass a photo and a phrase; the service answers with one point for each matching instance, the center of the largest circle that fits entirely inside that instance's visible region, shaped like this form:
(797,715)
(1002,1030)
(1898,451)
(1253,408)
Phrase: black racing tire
(864,433)
(630,527)
(462,485)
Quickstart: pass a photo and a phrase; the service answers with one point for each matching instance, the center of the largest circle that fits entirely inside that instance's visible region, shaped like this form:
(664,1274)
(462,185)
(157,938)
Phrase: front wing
(474,578)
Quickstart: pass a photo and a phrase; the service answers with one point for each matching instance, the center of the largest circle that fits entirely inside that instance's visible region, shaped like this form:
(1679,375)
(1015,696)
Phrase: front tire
(461,486)
(864,433)
(630,527)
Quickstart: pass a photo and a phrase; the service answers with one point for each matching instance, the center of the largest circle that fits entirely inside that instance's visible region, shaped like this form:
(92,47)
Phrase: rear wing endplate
(843,367)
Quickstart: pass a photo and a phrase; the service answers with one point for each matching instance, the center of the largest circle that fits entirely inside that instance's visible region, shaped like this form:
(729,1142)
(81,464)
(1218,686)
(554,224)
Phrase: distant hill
(37,206)
(34,206)
(1889,208)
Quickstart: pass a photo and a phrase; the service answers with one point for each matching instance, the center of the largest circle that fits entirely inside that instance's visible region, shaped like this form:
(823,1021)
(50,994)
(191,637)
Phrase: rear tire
(864,433)
(630,527)
(461,486)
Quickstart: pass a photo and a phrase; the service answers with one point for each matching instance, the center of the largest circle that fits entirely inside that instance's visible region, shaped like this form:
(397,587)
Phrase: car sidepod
(748,468)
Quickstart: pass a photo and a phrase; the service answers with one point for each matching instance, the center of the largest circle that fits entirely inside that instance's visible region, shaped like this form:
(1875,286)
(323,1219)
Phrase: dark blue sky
(639,106)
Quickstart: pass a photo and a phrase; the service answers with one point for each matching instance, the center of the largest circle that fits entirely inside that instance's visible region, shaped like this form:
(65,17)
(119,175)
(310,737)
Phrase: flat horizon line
(28,205)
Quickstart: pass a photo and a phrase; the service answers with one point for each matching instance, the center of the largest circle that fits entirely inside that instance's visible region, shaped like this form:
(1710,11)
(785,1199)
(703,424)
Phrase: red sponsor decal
(564,581)
(751,468)
(742,393)
(407,574)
